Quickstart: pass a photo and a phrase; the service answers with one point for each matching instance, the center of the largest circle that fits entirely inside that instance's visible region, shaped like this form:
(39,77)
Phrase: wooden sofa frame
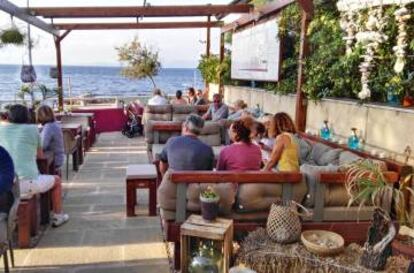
(352,231)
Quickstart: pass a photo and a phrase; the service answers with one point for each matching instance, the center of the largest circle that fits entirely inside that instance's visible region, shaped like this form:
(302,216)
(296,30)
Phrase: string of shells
(402,15)
(371,38)
(350,27)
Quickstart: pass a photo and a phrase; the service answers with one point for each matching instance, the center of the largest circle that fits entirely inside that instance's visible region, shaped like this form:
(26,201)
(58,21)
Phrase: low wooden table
(141,176)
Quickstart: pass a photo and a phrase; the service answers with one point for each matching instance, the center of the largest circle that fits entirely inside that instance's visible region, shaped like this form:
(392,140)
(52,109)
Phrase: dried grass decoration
(12,36)
(283,223)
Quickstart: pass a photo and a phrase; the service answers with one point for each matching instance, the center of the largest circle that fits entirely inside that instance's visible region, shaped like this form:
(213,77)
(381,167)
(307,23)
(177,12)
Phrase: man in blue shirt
(187,152)
(217,110)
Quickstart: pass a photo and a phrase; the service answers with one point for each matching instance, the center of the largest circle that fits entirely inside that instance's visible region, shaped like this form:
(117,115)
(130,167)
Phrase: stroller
(133,127)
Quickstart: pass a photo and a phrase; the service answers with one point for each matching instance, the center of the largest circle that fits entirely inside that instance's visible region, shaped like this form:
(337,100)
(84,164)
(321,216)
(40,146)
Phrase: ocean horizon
(99,80)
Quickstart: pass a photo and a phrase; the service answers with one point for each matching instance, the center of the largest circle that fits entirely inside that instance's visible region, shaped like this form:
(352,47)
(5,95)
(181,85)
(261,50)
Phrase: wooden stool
(142,176)
(27,220)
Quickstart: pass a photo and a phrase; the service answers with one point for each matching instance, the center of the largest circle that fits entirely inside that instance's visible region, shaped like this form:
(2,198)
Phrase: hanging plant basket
(12,36)
(28,74)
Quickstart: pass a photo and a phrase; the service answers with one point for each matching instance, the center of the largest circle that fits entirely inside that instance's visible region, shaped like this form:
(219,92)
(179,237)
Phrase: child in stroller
(133,126)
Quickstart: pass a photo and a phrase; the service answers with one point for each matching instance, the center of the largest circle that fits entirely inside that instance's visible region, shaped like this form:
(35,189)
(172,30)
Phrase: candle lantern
(206,246)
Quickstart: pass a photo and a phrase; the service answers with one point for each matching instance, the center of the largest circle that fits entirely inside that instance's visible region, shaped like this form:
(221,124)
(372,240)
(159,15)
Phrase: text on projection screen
(256,52)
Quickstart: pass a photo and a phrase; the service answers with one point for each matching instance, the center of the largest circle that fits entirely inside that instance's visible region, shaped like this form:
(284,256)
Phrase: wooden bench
(141,176)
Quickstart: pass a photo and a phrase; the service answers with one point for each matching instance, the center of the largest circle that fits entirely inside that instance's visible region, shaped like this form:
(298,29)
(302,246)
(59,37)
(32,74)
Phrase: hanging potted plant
(366,183)
(209,200)
(12,36)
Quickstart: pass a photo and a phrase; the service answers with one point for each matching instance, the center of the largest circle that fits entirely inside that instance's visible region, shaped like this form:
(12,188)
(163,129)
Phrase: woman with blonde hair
(239,107)
(51,136)
(285,153)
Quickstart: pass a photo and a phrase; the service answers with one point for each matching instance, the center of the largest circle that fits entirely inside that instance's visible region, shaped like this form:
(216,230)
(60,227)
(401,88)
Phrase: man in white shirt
(157,98)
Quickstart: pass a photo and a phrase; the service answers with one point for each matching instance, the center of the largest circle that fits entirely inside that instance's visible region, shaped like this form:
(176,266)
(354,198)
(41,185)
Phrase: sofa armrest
(340,177)
(184,178)
(336,178)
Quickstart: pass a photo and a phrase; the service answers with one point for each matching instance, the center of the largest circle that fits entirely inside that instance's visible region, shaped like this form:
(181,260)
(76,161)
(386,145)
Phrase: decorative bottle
(353,140)
(325,132)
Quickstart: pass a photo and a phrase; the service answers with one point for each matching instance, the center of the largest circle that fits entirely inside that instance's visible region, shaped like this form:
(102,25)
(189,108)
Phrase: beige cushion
(211,134)
(157,112)
(217,150)
(141,171)
(259,197)
(180,112)
(167,195)
(164,136)
(156,150)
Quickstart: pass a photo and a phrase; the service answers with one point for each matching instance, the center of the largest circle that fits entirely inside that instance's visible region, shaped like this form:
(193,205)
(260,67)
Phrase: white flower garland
(401,16)
(370,39)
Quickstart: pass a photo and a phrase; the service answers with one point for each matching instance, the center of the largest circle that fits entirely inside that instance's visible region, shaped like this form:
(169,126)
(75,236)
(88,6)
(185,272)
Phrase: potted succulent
(209,200)
(366,183)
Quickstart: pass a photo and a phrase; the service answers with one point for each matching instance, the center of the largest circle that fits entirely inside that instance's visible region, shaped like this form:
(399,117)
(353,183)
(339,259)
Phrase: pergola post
(58,40)
(59,73)
(221,83)
(208,43)
(301,102)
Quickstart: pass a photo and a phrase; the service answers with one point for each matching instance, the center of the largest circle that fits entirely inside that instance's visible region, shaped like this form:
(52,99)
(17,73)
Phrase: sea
(100,81)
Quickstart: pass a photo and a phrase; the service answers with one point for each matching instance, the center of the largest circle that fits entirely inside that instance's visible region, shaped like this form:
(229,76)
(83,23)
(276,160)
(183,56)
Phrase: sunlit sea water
(100,81)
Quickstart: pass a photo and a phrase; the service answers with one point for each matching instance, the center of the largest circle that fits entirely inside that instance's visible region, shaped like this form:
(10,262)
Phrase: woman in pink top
(242,155)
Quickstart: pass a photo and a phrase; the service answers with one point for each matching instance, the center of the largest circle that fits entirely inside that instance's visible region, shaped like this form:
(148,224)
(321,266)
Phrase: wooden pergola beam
(147,25)
(265,11)
(20,13)
(139,11)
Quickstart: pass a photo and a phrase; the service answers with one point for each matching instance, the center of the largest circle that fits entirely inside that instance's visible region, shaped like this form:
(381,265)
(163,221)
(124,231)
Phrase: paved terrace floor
(98,237)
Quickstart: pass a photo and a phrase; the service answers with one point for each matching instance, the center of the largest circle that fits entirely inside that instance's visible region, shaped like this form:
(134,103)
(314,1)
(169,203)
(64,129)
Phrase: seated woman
(51,136)
(22,141)
(242,155)
(178,99)
(6,180)
(285,153)
(239,108)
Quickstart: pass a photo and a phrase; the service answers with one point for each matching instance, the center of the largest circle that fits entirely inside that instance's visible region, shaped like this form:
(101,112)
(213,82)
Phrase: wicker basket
(283,223)
(322,242)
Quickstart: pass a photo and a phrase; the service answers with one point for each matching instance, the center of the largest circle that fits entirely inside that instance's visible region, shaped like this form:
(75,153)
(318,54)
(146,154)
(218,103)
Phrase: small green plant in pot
(367,184)
(209,200)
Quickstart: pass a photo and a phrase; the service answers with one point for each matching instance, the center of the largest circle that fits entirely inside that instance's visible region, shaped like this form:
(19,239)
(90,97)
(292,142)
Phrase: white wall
(383,129)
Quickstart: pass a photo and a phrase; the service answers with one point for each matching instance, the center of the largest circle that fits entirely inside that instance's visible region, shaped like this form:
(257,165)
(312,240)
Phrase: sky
(179,48)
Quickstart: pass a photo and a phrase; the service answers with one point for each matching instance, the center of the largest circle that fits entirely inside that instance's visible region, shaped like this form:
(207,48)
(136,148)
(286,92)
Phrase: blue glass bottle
(353,140)
(325,132)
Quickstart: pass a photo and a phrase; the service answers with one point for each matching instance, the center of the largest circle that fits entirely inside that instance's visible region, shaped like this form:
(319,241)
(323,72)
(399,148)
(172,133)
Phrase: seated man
(157,98)
(217,110)
(187,152)
(200,98)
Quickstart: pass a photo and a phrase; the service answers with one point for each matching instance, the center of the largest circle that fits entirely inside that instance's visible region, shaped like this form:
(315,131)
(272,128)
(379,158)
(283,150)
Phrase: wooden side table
(219,231)
(142,176)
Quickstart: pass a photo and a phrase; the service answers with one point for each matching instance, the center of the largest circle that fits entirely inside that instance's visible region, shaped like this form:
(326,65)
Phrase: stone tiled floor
(98,237)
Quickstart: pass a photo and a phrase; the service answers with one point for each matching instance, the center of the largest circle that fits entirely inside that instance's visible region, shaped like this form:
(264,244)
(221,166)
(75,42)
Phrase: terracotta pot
(400,248)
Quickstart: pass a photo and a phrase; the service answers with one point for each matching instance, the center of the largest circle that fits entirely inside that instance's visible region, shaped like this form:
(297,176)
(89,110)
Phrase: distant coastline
(99,80)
